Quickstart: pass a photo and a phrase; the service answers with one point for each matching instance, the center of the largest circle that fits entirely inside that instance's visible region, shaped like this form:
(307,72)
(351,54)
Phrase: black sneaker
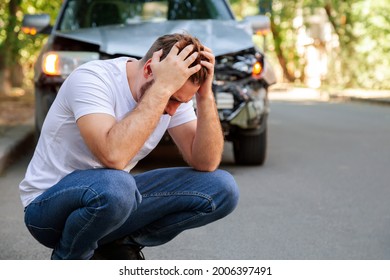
(118,250)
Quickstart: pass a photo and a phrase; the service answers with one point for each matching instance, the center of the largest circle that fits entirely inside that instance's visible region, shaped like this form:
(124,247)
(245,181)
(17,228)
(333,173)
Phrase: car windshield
(93,13)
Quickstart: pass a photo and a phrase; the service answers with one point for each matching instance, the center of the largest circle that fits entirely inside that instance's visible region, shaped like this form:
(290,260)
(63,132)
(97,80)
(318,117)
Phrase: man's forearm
(208,142)
(127,137)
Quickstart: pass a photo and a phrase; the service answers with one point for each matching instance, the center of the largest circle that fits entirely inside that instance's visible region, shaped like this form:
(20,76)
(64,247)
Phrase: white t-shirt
(95,87)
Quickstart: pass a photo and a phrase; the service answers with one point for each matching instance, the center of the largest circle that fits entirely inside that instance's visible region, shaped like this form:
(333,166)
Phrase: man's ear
(147,70)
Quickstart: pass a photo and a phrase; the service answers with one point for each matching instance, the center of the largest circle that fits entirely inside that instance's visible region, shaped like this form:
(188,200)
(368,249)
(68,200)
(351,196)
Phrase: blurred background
(326,44)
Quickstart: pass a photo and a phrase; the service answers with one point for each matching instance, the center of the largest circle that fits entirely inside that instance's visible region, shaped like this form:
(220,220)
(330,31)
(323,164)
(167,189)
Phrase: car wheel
(44,97)
(250,149)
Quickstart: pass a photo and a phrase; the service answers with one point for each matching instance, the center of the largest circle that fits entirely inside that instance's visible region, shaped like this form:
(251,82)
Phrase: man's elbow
(116,166)
(205,166)
(114,162)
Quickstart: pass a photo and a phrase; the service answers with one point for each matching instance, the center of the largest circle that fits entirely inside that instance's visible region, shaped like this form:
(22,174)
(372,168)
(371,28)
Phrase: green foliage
(8,34)
(363,27)
(15,46)
(243,8)
(363,31)
(285,37)
(372,65)
(32,44)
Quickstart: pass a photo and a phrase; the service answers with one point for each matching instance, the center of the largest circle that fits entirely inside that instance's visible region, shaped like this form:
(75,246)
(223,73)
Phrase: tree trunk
(5,84)
(9,51)
(343,28)
(279,52)
(17,75)
(328,9)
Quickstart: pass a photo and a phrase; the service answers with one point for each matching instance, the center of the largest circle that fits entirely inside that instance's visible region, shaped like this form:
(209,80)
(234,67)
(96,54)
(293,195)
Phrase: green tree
(362,28)
(372,65)
(363,31)
(243,8)
(281,13)
(9,45)
(16,48)
(344,17)
(282,18)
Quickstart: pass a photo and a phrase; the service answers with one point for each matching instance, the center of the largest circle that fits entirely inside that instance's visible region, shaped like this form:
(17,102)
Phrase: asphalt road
(322,194)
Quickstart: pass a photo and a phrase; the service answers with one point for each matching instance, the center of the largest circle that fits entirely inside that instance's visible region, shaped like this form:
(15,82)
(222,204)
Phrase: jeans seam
(89,222)
(39,201)
(96,196)
(182,222)
(42,228)
(197,194)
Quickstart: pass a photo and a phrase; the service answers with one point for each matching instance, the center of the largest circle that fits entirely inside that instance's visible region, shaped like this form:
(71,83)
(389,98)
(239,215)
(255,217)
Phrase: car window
(93,13)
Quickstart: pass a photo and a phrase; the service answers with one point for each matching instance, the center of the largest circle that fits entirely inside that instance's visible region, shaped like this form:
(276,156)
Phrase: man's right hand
(174,70)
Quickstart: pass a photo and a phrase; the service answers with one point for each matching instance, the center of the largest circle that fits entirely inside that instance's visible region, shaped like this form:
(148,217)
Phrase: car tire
(250,149)
(44,97)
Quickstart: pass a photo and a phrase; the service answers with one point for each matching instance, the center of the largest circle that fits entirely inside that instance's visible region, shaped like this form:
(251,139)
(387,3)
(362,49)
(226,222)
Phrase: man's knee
(228,191)
(119,193)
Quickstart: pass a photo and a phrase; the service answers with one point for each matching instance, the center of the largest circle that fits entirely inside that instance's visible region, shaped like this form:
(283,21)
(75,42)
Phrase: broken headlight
(237,80)
(237,66)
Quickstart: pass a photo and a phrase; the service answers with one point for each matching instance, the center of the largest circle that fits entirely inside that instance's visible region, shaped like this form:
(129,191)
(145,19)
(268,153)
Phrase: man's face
(183,95)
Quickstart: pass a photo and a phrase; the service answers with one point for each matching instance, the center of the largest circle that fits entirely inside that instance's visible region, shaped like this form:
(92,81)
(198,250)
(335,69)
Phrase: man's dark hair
(166,43)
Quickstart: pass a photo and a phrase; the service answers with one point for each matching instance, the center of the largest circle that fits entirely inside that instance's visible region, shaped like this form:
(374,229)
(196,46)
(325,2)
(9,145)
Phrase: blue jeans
(88,208)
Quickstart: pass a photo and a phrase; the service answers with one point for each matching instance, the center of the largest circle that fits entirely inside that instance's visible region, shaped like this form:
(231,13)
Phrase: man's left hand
(206,88)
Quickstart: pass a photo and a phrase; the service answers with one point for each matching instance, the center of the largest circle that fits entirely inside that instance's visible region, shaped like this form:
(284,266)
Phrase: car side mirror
(34,24)
(260,24)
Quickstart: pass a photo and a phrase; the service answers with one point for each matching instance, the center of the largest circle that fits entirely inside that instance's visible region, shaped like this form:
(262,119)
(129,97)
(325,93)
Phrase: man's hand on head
(174,70)
(205,89)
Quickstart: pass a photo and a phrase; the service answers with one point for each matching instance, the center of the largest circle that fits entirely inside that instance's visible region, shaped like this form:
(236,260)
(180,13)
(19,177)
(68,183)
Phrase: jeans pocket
(49,237)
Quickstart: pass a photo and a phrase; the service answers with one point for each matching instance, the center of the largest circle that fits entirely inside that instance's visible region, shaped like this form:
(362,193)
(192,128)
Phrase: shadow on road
(167,155)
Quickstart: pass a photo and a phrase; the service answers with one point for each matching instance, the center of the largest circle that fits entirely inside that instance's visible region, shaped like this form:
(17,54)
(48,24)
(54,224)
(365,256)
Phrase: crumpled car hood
(222,37)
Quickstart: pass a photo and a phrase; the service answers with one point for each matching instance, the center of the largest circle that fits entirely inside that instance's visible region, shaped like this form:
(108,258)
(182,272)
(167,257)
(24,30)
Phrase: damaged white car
(100,29)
